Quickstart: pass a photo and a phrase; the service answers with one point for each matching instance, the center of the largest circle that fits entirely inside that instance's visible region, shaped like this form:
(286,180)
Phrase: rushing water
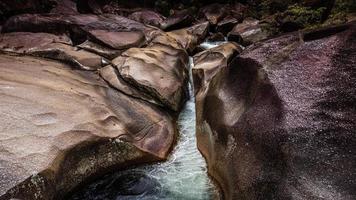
(183,176)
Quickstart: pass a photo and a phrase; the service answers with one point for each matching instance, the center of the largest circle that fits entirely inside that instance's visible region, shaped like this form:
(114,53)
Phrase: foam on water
(183,176)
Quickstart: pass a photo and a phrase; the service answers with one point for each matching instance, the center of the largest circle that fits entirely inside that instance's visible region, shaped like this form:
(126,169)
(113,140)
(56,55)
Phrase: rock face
(248,32)
(278,121)
(147,17)
(119,40)
(158,70)
(177,20)
(49,46)
(61,126)
(78,25)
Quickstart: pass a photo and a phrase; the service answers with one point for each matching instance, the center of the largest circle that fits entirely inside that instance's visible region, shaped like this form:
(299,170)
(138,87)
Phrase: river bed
(183,176)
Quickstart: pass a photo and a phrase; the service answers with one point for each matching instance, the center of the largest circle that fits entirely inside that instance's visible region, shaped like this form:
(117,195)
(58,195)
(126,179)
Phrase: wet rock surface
(277,122)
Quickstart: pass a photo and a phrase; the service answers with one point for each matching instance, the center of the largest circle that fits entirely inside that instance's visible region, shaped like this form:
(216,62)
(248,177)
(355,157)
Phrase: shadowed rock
(214,12)
(65,7)
(279,121)
(49,46)
(60,127)
(79,26)
(147,17)
(104,51)
(178,20)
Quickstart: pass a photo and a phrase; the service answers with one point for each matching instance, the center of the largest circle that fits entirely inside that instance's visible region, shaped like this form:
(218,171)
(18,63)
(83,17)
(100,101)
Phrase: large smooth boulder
(60,127)
(207,63)
(159,70)
(50,46)
(279,121)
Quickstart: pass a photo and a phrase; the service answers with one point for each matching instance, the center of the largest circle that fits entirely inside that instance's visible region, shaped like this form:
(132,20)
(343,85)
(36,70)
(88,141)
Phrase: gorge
(192,100)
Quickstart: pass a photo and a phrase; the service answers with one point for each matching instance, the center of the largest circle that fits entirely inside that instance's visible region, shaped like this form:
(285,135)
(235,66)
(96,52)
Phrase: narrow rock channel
(183,176)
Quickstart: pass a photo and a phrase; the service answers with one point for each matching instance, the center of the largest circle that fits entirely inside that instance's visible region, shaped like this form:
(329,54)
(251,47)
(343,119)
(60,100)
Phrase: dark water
(182,176)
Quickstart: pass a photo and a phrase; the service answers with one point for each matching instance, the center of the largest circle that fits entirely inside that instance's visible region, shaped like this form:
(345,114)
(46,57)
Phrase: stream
(183,176)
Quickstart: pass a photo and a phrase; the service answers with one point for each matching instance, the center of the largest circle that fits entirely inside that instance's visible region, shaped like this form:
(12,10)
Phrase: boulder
(279,121)
(99,49)
(79,26)
(208,63)
(186,38)
(147,17)
(49,46)
(111,75)
(214,13)
(159,71)
(61,127)
(118,40)
(216,37)
(226,25)
(248,32)
(178,20)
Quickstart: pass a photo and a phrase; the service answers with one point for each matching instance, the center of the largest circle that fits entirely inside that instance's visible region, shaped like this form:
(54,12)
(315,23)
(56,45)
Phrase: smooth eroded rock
(119,40)
(159,71)
(185,38)
(60,127)
(279,121)
(49,46)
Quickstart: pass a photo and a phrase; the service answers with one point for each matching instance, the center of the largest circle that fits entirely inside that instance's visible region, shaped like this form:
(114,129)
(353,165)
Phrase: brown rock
(113,77)
(99,49)
(226,25)
(216,37)
(186,38)
(248,32)
(214,12)
(147,17)
(60,127)
(79,25)
(119,40)
(49,46)
(178,20)
(160,71)
(209,62)
(278,122)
